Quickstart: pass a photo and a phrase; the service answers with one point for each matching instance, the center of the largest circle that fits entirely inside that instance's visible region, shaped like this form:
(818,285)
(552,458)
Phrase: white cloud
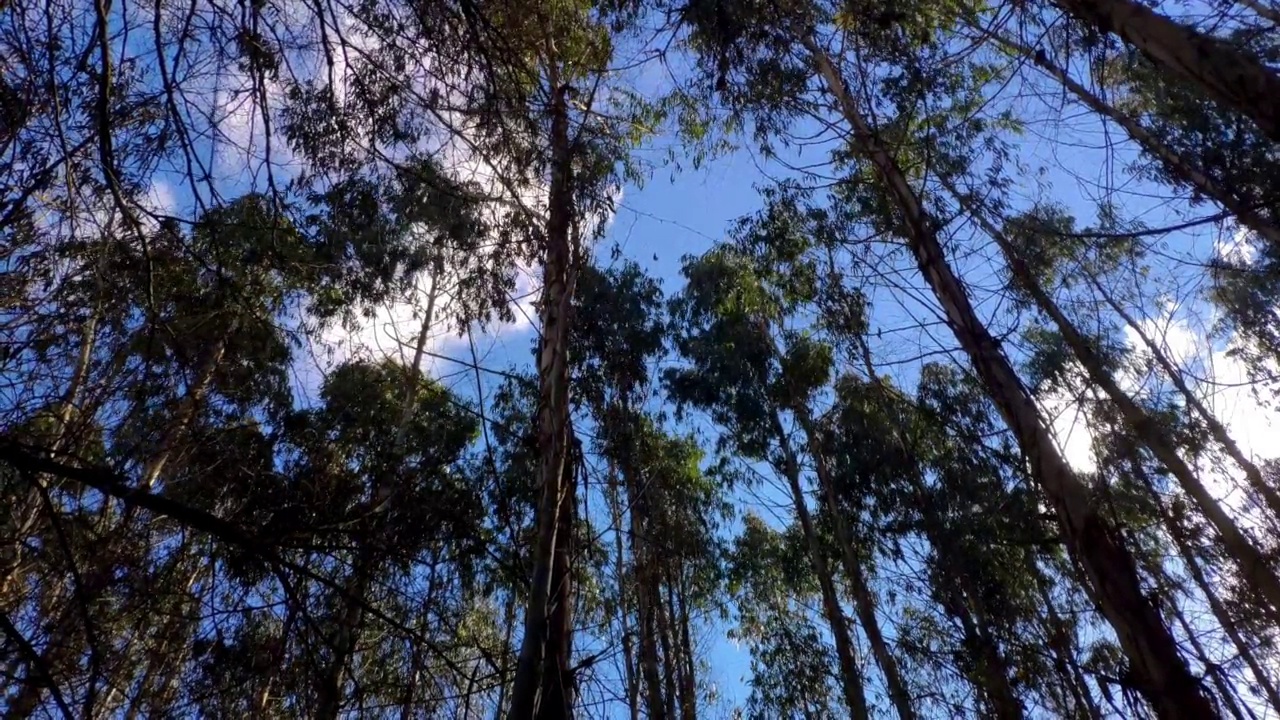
(1237,247)
(1069,426)
(160,198)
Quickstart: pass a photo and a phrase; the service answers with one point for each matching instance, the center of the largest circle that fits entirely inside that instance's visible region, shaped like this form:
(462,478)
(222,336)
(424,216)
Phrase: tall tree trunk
(1111,576)
(646,593)
(504,667)
(1061,643)
(688,680)
(1177,165)
(536,657)
(626,584)
(329,696)
(1225,693)
(1191,562)
(1252,563)
(675,661)
(557,676)
(1224,74)
(667,641)
(851,676)
(186,412)
(1270,498)
(28,512)
(863,598)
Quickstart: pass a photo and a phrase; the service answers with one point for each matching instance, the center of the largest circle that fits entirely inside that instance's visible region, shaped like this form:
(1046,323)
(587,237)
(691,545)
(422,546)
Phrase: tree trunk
(26,514)
(1220,613)
(851,677)
(1226,75)
(329,682)
(666,639)
(186,411)
(863,599)
(1061,646)
(688,681)
(536,657)
(630,675)
(1253,565)
(160,680)
(1174,163)
(1111,576)
(557,675)
(646,583)
(1269,497)
(417,663)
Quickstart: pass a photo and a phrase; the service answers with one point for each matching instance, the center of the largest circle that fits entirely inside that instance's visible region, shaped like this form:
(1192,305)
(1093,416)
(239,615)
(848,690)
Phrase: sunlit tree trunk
(186,412)
(161,679)
(557,678)
(1111,576)
(667,642)
(418,659)
(550,591)
(1224,74)
(28,512)
(994,676)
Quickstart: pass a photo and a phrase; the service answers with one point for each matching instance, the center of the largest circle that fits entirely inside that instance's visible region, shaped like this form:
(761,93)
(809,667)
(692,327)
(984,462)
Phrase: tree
(1109,569)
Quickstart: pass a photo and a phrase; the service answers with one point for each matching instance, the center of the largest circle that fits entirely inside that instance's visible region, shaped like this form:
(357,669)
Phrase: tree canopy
(949,424)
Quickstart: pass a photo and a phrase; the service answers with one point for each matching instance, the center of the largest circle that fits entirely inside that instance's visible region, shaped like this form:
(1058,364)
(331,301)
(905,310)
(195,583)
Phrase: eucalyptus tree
(1155,489)
(772,577)
(389,474)
(1241,547)
(1221,69)
(669,510)
(192,353)
(188,345)
(931,470)
(991,545)
(784,46)
(563,122)
(727,323)
(760,353)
